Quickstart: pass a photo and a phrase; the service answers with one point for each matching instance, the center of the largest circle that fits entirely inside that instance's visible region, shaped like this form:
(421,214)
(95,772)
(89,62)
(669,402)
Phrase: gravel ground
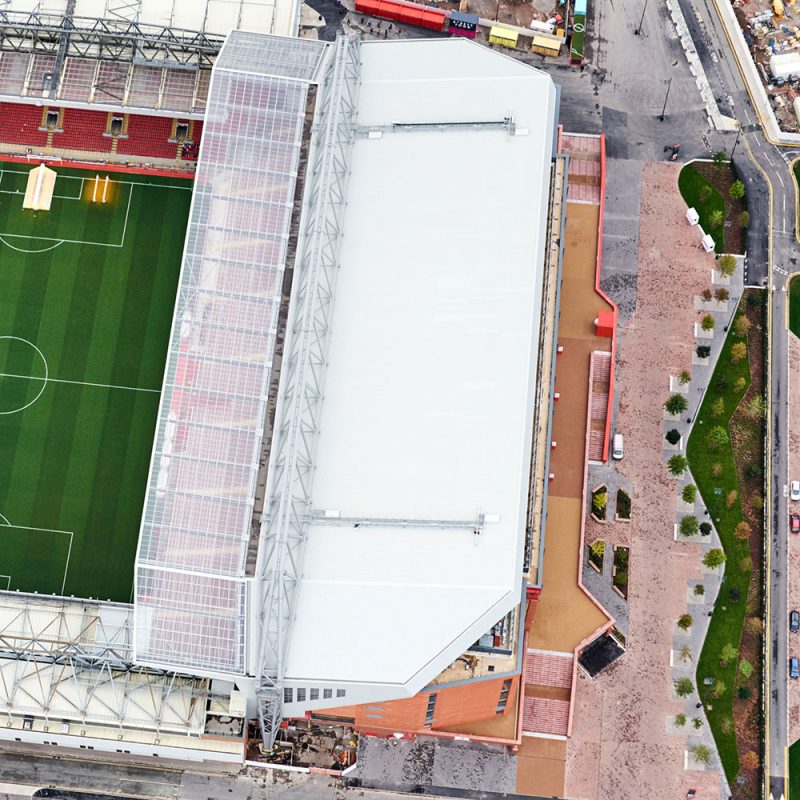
(622,718)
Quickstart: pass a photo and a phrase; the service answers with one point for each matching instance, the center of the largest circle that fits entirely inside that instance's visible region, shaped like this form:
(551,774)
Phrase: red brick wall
(457,705)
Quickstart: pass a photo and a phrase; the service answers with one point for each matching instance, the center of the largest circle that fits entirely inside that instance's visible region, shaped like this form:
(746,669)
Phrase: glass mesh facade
(190,594)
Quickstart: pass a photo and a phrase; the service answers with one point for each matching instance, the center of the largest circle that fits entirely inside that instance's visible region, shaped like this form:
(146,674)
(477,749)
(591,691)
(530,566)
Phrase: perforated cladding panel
(190,597)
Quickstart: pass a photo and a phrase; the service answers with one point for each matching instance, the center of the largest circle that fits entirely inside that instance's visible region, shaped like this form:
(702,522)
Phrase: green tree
(676,404)
(689,526)
(721,294)
(718,408)
(707,323)
(705,529)
(684,377)
(719,689)
(714,558)
(715,219)
(729,652)
(739,384)
(699,589)
(738,352)
(717,437)
(689,493)
(599,502)
(704,193)
(685,622)
(720,158)
(673,436)
(737,190)
(680,720)
(678,464)
(697,722)
(745,669)
(683,687)
(703,351)
(744,219)
(685,653)
(726,264)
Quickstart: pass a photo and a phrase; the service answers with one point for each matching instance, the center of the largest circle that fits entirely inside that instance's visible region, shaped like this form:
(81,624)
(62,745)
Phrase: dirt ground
(621,718)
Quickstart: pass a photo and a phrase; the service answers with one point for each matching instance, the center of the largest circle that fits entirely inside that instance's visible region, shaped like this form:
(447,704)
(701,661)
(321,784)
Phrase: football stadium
(277,382)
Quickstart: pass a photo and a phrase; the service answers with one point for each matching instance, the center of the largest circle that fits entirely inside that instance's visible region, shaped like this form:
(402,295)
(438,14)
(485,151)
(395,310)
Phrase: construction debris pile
(772,31)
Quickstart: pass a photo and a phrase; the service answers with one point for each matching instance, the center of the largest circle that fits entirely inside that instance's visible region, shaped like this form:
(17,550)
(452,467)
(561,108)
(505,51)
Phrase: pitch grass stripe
(80,474)
(137,298)
(166,285)
(21,477)
(115,525)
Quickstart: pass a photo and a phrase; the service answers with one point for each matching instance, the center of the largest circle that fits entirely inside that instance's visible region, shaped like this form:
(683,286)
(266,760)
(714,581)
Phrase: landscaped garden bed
(600,503)
(706,186)
(597,551)
(620,579)
(623,505)
(725,452)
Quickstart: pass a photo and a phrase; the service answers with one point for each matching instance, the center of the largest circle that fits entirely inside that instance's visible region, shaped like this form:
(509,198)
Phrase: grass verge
(794,305)
(714,472)
(699,194)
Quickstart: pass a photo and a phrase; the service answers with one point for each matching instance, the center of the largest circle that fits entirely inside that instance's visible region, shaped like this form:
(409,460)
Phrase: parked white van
(618,449)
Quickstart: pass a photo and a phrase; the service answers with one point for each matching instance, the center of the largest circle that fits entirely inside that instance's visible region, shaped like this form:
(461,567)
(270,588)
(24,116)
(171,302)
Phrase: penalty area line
(79,383)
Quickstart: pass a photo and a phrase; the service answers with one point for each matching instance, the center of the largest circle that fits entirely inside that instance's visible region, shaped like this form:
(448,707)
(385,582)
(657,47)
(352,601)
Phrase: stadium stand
(88,131)
(148,136)
(83,130)
(20,124)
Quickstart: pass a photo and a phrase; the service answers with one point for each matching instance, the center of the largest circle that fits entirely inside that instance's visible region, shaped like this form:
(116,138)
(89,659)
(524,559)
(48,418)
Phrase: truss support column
(284,523)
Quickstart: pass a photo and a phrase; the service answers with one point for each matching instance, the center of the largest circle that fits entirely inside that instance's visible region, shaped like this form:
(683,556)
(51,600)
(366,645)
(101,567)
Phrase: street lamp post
(497,12)
(738,134)
(666,97)
(638,30)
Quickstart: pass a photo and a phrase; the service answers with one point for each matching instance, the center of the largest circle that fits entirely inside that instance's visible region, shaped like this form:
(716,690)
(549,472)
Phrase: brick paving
(623,719)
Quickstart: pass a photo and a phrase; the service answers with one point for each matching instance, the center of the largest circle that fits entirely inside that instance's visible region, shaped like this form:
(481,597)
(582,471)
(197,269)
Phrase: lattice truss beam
(284,522)
(71,661)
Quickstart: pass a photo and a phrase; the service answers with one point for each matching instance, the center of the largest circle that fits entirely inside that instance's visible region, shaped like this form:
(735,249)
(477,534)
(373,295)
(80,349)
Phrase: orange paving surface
(540,763)
(566,615)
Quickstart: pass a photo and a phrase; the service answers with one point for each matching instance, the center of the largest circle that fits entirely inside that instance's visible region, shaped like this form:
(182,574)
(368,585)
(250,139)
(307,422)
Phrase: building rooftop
(430,379)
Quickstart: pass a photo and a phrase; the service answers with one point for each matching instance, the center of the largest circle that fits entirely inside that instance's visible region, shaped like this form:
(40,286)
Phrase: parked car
(794,523)
(794,668)
(794,491)
(794,621)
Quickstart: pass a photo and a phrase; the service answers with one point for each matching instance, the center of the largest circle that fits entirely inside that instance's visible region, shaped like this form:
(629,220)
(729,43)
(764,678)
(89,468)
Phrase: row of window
(501,703)
(312,694)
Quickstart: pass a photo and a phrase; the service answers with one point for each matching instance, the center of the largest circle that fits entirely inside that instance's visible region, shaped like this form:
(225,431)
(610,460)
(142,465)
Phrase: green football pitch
(86,297)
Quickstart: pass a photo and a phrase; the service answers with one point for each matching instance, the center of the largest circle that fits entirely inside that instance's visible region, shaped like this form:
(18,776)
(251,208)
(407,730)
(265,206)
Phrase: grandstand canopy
(209,16)
(429,387)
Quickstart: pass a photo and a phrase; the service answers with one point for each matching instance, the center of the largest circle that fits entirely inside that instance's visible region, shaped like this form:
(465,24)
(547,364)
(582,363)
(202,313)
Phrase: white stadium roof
(209,16)
(429,387)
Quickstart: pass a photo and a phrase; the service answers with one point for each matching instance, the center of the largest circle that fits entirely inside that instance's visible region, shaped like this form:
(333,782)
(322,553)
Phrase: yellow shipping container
(499,34)
(544,46)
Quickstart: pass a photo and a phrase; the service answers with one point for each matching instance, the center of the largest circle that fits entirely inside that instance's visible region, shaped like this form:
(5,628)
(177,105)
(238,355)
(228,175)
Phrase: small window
(327,694)
(301,695)
(503,700)
(340,692)
(182,131)
(431,708)
(313,694)
(288,695)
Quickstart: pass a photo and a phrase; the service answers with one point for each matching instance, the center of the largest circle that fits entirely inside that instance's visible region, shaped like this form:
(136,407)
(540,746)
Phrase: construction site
(772,31)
